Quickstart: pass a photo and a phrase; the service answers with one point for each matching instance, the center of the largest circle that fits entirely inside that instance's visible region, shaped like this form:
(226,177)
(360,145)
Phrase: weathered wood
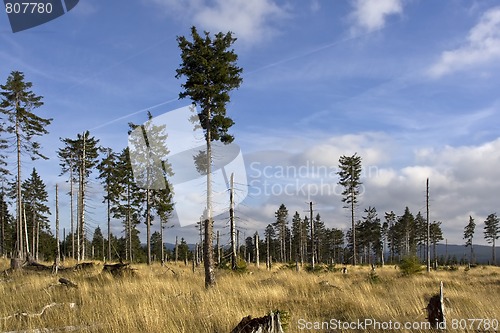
(67,283)
(16,263)
(267,324)
(435,309)
(36,314)
(119,269)
(35,266)
(84,265)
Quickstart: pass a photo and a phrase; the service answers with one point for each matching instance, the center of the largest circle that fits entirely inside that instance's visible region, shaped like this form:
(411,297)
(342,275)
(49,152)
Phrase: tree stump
(435,309)
(16,263)
(267,324)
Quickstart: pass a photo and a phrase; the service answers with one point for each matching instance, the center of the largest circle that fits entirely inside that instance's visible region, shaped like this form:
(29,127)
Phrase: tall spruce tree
(107,174)
(162,202)
(209,66)
(436,235)
(280,226)
(350,174)
(320,239)
(421,232)
(406,224)
(35,199)
(129,204)
(18,103)
(390,218)
(80,156)
(367,235)
(468,237)
(336,237)
(270,239)
(156,245)
(98,244)
(297,239)
(6,224)
(148,151)
(492,233)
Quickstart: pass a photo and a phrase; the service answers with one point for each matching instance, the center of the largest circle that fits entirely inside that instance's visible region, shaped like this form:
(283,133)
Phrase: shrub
(410,265)
(318,268)
(373,277)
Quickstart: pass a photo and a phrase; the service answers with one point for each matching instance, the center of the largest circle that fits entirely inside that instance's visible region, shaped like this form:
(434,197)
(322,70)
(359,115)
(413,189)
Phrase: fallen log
(119,269)
(68,283)
(35,266)
(267,324)
(84,265)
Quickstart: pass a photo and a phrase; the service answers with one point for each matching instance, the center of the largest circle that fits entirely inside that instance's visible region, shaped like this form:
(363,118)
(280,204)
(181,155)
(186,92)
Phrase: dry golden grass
(173,298)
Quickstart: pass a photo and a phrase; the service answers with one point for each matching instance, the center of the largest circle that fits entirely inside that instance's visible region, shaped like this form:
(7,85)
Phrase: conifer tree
(436,235)
(390,218)
(350,173)
(18,102)
(468,236)
(6,226)
(98,244)
(107,174)
(80,156)
(129,203)
(35,198)
(148,159)
(280,226)
(492,233)
(209,66)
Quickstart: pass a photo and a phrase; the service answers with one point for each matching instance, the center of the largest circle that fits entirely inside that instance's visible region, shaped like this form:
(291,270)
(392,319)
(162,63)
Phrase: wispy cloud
(251,21)
(369,15)
(482,46)
(86,8)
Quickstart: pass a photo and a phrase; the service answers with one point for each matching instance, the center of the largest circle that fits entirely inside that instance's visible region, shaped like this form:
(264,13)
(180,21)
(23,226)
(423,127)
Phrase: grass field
(173,298)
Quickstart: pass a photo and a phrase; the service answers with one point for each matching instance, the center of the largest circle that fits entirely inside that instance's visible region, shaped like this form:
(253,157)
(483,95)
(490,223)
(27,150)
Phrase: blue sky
(411,86)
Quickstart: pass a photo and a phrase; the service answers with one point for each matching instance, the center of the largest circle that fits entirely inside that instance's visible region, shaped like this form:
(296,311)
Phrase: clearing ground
(173,299)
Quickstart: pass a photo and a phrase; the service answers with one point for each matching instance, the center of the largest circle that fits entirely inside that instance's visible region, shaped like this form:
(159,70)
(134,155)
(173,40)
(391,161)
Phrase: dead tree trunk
(435,309)
(58,250)
(268,256)
(257,254)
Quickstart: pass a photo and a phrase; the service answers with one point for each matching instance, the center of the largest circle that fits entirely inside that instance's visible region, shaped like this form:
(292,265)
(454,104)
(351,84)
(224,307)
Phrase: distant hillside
(481,252)
(171,246)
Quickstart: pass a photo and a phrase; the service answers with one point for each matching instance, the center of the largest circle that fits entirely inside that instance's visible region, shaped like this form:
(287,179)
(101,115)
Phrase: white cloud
(464,180)
(370,15)
(251,21)
(482,46)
